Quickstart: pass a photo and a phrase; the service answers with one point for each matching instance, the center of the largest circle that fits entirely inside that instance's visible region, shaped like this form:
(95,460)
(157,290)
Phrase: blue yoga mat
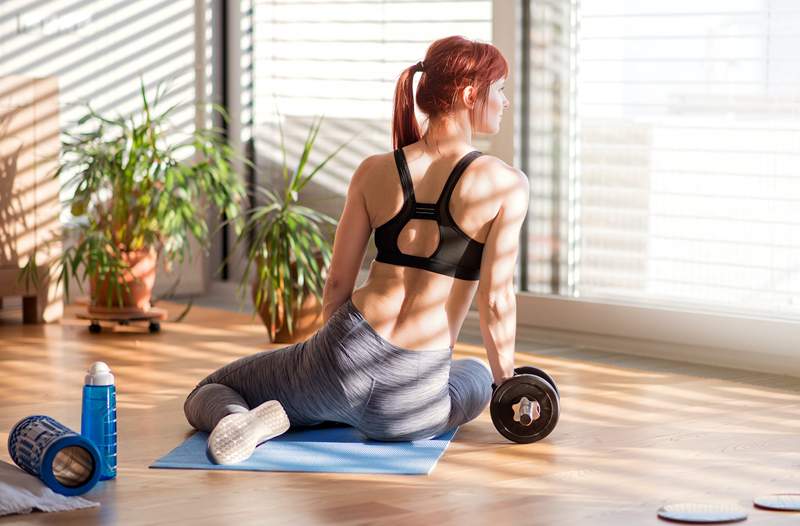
(339,449)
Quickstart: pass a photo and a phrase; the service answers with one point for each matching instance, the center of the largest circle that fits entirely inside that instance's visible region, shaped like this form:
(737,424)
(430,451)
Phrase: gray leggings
(346,372)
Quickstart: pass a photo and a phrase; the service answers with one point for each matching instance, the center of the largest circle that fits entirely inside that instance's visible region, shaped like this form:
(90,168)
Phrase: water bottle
(99,416)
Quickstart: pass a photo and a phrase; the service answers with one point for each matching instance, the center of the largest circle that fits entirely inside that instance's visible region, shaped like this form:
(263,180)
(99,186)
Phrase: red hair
(450,65)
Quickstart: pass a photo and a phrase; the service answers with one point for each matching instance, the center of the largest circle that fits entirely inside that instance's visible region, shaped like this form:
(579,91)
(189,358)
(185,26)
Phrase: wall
(29,147)
(97,51)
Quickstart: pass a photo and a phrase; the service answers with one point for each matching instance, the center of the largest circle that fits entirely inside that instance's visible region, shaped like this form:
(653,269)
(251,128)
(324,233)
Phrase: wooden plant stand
(123,316)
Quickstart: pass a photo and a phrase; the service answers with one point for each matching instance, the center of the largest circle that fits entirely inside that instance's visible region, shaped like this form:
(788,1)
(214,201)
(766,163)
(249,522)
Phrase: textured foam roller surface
(702,513)
(327,449)
(779,501)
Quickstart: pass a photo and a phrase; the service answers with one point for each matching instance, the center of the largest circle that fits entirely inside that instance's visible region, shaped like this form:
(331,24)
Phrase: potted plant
(289,252)
(137,197)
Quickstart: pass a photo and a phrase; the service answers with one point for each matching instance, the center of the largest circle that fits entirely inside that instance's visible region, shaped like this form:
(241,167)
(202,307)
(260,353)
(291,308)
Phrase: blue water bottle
(99,416)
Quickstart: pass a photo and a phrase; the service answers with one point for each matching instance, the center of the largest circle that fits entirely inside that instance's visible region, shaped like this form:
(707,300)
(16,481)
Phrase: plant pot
(140,279)
(306,318)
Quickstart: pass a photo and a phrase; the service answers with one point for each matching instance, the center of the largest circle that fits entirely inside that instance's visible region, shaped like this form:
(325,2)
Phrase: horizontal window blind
(342,59)
(687,154)
(547,154)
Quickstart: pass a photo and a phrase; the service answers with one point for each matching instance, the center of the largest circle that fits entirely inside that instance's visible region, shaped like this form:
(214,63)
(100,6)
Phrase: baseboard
(751,344)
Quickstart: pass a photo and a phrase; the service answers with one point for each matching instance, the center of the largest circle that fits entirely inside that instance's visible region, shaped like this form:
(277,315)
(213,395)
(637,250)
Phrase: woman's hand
(499,381)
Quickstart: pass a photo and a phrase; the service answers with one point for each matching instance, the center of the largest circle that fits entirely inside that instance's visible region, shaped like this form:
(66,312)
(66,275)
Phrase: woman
(382,361)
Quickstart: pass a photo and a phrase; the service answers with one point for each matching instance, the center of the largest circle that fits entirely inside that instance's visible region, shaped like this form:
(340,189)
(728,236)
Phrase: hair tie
(420,66)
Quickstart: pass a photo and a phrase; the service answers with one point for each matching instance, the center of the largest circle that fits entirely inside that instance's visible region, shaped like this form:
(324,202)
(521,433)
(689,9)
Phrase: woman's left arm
(349,244)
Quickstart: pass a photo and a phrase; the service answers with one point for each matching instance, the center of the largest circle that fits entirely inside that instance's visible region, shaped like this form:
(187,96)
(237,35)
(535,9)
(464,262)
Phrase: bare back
(410,307)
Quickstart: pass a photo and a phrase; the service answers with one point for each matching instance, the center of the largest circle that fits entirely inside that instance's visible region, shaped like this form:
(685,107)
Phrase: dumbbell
(539,401)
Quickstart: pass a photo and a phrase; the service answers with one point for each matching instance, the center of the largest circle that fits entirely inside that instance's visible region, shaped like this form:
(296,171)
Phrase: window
(673,154)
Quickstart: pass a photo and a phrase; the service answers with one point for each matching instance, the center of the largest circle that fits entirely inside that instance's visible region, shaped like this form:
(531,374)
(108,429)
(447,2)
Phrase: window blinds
(342,59)
(687,154)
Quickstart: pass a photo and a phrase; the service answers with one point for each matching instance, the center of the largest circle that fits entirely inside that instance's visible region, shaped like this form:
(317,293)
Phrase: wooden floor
(635,434)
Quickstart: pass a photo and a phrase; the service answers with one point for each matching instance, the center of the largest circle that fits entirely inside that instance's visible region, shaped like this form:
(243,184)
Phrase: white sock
(236,436)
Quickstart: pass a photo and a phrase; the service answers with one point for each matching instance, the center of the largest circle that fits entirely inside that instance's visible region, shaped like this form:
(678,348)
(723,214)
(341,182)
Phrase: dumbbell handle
(525,412)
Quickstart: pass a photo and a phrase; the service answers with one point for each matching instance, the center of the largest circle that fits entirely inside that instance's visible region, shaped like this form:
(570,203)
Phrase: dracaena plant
(287,239)
(137,185)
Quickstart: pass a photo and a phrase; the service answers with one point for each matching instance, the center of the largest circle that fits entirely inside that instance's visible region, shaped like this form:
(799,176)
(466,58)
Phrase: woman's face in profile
(496,104)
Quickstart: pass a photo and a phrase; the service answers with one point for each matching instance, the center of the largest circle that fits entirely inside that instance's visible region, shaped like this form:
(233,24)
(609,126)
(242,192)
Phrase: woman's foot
(236,436)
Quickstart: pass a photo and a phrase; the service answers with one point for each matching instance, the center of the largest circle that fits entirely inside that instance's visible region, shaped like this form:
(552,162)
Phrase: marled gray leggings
(346,372)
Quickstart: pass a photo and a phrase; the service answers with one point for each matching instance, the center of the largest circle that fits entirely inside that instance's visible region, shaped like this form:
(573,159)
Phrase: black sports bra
(457,255)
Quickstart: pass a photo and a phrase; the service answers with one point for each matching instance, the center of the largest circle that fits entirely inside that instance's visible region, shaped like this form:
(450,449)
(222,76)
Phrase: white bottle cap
(99,374)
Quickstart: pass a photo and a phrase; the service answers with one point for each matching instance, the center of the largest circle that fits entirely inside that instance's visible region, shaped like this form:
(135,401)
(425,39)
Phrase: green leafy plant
(287,240)
(132,190)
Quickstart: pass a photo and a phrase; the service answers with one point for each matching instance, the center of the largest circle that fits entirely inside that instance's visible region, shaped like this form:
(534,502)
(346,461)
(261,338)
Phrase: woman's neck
(448,135)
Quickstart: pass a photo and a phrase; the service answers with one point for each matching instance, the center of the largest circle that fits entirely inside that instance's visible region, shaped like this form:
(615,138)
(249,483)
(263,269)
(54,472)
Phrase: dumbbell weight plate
(535,371)
(510,393)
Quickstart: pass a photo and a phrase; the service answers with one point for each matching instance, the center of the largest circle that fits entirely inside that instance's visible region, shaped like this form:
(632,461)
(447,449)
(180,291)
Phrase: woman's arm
(496,299)
(350,243)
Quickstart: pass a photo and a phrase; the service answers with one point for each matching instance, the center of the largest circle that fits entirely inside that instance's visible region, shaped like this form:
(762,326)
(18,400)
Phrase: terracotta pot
(306,318)
(140,280)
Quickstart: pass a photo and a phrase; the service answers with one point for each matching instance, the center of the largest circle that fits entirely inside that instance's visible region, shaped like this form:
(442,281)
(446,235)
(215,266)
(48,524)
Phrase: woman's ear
(469,96)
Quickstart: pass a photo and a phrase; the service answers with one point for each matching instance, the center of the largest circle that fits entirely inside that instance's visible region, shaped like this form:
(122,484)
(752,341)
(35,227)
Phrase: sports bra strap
(455,175)
(450,184)
(405,176)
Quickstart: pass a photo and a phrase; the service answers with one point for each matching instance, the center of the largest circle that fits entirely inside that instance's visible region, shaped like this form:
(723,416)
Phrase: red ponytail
(405,129)
(450,65)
